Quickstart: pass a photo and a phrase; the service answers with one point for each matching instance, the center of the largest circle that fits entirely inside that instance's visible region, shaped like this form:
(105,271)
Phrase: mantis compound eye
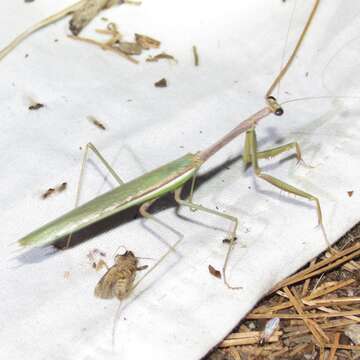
(276,108)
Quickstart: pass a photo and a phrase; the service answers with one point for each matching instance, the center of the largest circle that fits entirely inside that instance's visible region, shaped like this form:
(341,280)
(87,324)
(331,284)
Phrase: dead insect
(269,330)
(350,193)
(147,42)
(119,279)
(36,106)
(96,122)
(214,272)
(161,83)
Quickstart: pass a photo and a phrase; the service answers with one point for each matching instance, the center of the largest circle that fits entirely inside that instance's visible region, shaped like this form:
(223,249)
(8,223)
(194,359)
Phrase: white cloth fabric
(180,311)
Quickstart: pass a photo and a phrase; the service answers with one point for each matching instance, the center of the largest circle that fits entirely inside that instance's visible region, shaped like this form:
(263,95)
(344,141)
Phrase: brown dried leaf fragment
(214,272)
(147,42)
(161,83)
(62,187)
(228,241)
(82,16)
(36,106)
(129,48)
(47,193)
(161,56)
(350,193)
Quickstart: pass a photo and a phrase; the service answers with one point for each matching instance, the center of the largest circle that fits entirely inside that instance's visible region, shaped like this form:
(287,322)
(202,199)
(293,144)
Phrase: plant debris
(146,42)
(104,46)
(36,106)
(87,11)
(196,56)
(227,241)
(83,12)
(60,188)
(161,83)
(214,272)
(116,43)
(93,257)
(96,122)
(160,56)
(350,193)
(318,308)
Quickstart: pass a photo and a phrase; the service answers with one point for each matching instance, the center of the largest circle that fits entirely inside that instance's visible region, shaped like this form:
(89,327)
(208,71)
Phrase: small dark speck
(129,100)
(181,146)
(56,40)
(216,208)
(200,132)
(227,167)
(29,1)
(26,56)
(36,106)
(125,318)
(307,74)
(161,83)
(222,180)
(249,187)
(83,329)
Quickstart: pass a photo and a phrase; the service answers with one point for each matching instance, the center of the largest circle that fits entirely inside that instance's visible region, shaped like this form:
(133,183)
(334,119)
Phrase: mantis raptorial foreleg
(252,155)
(232,234)
(270,153)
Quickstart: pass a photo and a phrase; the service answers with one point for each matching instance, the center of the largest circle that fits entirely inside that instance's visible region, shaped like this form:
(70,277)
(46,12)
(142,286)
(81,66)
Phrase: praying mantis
(144,190)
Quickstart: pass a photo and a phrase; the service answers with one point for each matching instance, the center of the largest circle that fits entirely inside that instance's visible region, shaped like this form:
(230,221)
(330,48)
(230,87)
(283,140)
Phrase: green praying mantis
(146,189)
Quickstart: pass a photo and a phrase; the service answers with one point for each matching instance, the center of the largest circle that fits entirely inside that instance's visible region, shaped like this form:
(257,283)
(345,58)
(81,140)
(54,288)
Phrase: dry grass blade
(333,302)
(333,349)
(304,316)
(247,338)
(322,266)
(49,20)
(312,326)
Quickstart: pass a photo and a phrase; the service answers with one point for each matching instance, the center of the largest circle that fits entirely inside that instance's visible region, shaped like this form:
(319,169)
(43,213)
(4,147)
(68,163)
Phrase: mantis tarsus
(171,177)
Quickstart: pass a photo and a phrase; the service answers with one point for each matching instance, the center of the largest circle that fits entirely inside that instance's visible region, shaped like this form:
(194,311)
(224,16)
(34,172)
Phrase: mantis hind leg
(91,147)
(232,234)
(253,155)
(144,212)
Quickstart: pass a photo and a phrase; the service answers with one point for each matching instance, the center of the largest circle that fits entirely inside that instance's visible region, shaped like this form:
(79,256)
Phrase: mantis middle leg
(91,147)
(232,234)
